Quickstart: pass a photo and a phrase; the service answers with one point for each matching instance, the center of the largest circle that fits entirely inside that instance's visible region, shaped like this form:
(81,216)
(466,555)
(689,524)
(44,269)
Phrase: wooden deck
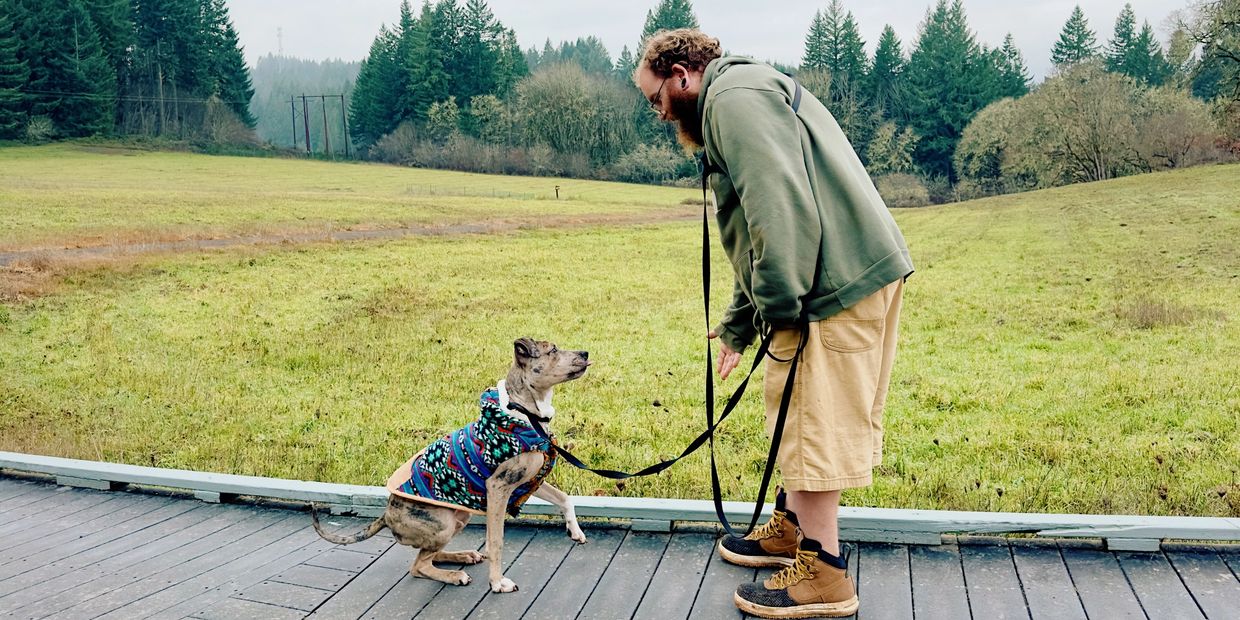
(75,553)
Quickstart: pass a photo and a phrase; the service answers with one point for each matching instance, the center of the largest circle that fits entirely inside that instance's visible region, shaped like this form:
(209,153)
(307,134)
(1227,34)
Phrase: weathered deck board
(885,587)
(620,589)
(1101,584)
(75,553)
(1049,589)
(675,584)
(1159,589)
(1211,582)
(994,588)
(938,583)
(573,583)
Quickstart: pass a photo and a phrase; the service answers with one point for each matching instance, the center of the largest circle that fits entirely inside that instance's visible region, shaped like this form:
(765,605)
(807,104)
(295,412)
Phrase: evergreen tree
(884,83)
(114,22)
(70,79)
(1119,50)
(625,64)
(834,43)
(475,71)
(816,56)
(406,36)
(669,15)
(1146,62)
(510,64)
(375,108)
(428,78)
(1076,41)
(13,76)
(950,78)
(231,75)
(1013,74)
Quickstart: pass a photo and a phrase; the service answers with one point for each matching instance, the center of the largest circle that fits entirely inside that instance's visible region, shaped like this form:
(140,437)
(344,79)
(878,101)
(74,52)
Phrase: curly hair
(688,47)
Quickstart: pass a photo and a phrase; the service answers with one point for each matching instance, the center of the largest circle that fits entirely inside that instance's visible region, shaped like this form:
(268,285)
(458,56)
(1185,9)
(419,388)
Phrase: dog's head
(545,365)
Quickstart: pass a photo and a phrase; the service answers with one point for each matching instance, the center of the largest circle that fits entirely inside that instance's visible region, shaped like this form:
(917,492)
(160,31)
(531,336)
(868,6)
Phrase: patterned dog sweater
(453,471)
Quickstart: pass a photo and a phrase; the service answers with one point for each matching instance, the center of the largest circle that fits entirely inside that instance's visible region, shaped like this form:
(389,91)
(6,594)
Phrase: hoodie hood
(716,68)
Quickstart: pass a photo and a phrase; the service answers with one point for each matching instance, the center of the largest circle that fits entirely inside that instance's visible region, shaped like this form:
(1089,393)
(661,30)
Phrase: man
(812,247)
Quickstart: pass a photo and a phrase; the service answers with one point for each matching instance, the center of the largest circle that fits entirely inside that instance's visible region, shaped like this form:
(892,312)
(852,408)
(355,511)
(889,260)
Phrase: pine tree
(669,15)
(816,44)
(625,64)
(1013,74)
(374,108)
(950,78)
(480,32)
(1119,50)
(1076,41)
(510,65)
(70,80)
(433,51)
(1146,62)
(228,69)
(113,20)
(884,83)
(13,76)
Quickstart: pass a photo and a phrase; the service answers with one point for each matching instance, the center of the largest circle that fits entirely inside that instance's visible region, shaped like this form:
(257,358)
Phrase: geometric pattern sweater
(454,469)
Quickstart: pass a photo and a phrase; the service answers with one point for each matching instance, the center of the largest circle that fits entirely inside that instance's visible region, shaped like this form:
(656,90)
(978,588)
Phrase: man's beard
(684,110)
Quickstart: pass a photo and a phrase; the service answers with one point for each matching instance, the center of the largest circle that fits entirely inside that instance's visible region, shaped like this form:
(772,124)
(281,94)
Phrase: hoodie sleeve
(736,329)
(757,139)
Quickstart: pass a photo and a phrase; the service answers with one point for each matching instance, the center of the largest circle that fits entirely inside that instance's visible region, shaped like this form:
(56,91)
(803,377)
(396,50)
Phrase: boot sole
(753,561)
(809,610)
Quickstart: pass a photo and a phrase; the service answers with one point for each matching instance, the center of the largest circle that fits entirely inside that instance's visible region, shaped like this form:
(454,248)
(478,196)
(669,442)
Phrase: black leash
(708,436)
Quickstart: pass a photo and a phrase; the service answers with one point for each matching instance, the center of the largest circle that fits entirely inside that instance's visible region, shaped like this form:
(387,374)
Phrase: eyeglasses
(656,99)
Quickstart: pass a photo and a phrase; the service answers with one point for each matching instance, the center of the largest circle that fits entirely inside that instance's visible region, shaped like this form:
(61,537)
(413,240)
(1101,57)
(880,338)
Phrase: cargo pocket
(844,335)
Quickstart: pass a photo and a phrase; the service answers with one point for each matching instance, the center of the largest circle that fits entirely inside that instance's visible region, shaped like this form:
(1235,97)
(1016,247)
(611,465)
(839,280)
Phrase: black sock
(809,544)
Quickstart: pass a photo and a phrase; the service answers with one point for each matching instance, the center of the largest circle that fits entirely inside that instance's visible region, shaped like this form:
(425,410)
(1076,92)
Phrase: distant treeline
(448,86)
(75,68)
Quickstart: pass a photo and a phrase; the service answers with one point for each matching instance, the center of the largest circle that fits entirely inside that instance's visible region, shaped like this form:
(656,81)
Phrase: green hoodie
(792,199)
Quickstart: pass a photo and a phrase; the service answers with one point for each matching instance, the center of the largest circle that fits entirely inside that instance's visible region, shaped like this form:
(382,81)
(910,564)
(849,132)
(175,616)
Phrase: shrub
(648,164)
(40,129)
(397,147)
(902,190)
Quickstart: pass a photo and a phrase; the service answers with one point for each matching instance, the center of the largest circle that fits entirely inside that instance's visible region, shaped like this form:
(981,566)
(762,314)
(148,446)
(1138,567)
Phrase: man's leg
(818,515)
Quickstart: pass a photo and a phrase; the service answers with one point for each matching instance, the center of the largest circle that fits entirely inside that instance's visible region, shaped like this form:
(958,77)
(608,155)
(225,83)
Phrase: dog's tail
(370,530)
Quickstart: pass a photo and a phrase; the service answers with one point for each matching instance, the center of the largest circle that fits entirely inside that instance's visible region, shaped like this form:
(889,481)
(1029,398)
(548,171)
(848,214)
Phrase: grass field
(71,195)
(1070,350)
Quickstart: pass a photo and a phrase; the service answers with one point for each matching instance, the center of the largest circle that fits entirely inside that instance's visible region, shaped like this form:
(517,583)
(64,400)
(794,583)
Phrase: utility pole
(305,118)
(292,114)
(344,123)
(327,141)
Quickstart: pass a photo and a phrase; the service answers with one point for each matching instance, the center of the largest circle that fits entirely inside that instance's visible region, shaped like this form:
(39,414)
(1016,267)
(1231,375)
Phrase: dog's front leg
(503,481)
(561,499)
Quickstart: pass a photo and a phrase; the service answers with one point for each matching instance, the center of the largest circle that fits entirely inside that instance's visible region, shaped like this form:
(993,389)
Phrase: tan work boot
(817,585)
(773,543)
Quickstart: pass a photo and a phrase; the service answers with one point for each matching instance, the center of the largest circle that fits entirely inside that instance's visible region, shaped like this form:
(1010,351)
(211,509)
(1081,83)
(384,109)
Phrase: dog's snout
(585,355)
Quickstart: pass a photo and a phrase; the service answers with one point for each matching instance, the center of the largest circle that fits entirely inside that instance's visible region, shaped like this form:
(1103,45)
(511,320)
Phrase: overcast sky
(320,29)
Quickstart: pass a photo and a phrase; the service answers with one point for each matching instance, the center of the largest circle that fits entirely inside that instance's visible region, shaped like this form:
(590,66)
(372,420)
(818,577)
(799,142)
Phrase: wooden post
(305,119)
(327,141)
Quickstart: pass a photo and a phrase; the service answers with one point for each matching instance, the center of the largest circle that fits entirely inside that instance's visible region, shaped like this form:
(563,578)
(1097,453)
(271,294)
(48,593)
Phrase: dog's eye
(555,350)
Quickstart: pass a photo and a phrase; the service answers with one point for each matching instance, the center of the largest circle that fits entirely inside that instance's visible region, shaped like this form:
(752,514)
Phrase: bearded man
(814,249)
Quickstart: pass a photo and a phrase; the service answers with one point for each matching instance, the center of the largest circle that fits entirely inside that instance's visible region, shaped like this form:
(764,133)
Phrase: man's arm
(757,137)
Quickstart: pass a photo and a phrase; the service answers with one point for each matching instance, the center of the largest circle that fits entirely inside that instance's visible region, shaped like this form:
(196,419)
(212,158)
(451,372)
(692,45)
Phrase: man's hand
(728,359)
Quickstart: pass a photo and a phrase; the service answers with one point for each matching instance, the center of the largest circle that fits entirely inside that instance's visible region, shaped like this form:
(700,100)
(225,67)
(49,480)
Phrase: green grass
(65,195)
(1071,350)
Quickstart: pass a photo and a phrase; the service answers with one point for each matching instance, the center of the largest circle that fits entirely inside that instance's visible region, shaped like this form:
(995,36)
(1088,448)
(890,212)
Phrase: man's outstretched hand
(728,359)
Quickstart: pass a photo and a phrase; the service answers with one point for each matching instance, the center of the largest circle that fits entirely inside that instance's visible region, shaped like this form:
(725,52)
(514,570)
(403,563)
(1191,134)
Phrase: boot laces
(802,569)
(771,529)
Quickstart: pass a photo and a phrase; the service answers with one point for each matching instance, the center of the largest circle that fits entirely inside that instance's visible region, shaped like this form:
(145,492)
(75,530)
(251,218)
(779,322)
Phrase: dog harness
(453,471)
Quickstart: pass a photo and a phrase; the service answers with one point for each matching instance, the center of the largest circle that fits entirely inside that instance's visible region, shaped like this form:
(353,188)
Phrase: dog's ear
(525,348)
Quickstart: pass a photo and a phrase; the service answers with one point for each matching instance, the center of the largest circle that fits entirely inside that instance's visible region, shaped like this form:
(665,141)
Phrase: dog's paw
(575,533)
(458,577)
(503,585)
(473,557)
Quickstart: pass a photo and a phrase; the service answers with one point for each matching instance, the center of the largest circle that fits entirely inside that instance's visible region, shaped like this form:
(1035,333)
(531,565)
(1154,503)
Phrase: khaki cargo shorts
(833,436)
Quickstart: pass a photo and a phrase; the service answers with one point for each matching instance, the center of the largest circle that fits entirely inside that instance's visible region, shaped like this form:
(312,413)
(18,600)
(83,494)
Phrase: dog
(425,513)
